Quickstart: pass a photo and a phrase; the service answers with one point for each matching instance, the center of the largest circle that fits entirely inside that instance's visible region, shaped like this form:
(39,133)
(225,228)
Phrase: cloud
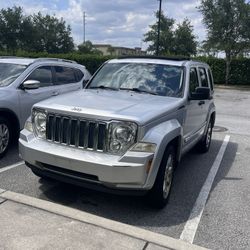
(119,22)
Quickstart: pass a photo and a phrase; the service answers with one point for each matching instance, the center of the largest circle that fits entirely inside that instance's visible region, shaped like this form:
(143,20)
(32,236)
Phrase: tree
(227,23)
(51,34)
(10,26)
(180,41)
(166,35)
(88,48)
(184,39)
(34,33)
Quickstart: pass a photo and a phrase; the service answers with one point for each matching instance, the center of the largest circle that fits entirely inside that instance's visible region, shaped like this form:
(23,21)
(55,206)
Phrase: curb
(132,231)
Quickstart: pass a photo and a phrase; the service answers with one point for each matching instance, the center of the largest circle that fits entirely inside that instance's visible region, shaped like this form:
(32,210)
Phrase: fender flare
(162,135)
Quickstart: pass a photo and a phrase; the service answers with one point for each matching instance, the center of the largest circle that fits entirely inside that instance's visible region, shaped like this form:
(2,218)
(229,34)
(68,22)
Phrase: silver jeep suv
(127,130)
(25,81)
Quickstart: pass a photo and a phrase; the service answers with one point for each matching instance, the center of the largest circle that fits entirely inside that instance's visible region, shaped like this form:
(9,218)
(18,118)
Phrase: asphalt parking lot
(225,220)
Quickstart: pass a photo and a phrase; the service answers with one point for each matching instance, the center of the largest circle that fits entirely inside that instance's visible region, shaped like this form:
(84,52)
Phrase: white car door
(67,79)
(28,97)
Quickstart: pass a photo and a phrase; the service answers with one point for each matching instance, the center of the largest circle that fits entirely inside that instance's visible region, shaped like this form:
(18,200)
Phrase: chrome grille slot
(76,132)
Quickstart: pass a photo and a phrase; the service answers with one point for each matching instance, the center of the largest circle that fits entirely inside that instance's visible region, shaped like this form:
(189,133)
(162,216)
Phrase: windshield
(9,73)
(159,79)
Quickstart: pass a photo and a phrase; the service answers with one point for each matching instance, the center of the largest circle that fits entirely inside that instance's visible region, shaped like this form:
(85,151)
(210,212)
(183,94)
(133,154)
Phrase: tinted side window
(193,82)
(79,75)
(211,79)
(203,75)
(43,75)
(64,75)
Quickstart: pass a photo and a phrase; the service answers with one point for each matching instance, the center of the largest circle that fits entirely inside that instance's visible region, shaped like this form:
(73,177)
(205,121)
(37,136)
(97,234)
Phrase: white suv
(127,130)
(26,81)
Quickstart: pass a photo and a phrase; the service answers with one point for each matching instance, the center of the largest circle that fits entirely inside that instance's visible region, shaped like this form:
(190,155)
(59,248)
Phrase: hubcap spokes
(4,137)
(209,134)
(168,177)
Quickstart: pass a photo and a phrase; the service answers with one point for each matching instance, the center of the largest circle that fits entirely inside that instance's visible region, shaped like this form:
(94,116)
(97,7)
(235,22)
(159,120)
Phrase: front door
(195,120)
(27,98)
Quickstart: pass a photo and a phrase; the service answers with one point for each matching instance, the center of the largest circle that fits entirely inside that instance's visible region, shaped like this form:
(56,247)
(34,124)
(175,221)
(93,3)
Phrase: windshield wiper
(139,90)
(102,87)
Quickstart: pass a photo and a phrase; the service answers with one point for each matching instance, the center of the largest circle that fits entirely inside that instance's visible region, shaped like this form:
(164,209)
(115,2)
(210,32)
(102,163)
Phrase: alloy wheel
(4,137)
(168,176)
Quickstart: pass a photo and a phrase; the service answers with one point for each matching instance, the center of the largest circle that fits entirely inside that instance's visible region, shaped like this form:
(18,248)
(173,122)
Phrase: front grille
(76,132)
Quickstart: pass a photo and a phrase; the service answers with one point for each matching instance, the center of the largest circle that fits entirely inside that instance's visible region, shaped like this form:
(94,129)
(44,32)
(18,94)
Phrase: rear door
(67,79)
(204,83)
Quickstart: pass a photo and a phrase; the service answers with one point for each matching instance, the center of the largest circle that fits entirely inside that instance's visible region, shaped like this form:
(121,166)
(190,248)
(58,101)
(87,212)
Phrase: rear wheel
(204,145)
(159,194)
(5,136)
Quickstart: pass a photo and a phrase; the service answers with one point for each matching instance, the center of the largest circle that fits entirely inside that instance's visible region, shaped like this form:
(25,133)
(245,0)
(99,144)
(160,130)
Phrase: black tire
(204,145)
(159,195)
(5,136)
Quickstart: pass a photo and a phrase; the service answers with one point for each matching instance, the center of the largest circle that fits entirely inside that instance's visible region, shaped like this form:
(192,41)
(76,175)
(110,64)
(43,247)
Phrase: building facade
(108,50)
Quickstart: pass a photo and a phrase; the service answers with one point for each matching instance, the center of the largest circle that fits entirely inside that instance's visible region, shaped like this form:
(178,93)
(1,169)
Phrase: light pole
(83,23)
(159,30)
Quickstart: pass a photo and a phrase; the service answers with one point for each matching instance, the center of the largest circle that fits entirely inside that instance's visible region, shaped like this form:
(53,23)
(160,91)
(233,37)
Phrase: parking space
(225,221)
(189,178)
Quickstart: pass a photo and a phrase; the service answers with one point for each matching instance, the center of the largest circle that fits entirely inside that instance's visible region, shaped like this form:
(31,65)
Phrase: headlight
(39,121)
(122,136)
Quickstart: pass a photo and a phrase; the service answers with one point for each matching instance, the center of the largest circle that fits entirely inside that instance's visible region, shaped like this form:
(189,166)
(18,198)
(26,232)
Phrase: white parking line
(11,166)
(191,225)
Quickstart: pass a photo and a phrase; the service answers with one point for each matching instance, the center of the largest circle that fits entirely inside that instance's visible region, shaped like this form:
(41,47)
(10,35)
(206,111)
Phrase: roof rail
(175,58)
(54,59)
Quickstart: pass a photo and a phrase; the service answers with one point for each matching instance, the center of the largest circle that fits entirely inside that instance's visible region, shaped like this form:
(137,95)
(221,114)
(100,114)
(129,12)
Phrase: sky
(115,22)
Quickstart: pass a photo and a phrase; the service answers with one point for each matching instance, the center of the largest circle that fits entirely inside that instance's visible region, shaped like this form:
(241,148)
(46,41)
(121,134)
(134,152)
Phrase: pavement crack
(145,246)
(2,200)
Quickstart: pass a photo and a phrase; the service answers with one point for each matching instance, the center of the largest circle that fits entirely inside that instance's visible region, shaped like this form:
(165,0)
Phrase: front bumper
(112,171)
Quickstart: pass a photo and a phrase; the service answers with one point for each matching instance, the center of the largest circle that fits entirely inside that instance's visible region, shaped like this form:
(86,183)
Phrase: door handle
(201,103)
(55,93)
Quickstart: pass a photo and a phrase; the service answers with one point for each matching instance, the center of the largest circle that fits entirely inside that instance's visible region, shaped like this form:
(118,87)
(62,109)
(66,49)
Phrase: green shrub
(239,74)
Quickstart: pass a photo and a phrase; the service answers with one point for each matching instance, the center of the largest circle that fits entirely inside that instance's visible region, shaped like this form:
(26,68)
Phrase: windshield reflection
(9,73)
(160,79)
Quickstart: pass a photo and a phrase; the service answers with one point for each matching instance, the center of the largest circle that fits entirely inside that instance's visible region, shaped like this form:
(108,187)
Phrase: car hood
(108,105)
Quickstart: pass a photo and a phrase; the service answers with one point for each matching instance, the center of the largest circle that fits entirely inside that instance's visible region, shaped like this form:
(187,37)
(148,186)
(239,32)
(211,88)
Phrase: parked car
(25,81)
(127,130)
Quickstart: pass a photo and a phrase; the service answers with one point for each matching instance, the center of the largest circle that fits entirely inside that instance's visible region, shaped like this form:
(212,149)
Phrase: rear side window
(43,75)
(203,75)
(79,75)
(193,82)
(64,75)
(211,79)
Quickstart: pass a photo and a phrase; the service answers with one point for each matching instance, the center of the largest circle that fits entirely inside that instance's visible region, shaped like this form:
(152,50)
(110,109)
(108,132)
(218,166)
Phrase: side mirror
(31,84)
(201,93)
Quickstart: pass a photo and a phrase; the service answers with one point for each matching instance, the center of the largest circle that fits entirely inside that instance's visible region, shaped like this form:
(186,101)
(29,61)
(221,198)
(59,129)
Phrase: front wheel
(5,136)
(159,194)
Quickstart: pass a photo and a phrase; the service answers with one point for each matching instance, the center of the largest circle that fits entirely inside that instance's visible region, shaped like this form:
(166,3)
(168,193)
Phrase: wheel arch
(163,135)
(12,118)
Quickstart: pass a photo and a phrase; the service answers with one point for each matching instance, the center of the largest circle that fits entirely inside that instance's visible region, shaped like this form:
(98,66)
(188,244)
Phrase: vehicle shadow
(188,181)
(11,156)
